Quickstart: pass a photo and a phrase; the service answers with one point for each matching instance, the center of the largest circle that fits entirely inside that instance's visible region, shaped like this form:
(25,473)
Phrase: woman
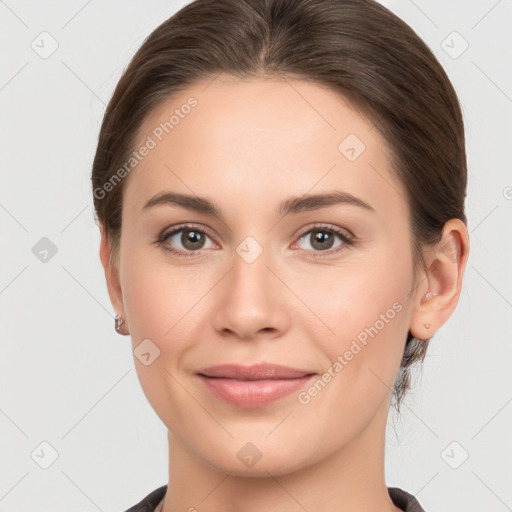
(242,137)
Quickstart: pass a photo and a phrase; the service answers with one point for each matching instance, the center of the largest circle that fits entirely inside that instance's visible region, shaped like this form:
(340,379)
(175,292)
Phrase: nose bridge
(251,275)
(251,298)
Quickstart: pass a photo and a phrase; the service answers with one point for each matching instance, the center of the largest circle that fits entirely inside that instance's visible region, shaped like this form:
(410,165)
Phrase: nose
(251,299)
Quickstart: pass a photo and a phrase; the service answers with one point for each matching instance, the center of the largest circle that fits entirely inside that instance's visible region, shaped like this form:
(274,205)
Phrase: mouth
(253,386)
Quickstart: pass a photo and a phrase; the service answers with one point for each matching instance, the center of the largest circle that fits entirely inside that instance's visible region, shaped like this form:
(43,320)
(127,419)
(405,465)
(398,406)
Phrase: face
(265,273)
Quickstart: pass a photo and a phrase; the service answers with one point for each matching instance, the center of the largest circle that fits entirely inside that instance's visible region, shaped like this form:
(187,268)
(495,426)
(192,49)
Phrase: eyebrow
(292,205)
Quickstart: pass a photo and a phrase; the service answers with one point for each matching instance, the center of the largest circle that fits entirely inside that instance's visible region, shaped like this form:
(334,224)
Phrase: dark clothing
(402,499)
(149,503)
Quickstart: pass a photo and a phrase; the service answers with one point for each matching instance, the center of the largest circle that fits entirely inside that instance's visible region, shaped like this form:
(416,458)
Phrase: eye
(191,238)
(323,238)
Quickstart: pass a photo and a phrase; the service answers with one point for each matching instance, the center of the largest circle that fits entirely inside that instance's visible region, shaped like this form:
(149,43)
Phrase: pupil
(323,236)
(193,238)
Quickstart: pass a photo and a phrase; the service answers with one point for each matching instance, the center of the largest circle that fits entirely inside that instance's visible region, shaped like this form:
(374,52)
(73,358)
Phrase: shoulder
(149,503)
(402,499)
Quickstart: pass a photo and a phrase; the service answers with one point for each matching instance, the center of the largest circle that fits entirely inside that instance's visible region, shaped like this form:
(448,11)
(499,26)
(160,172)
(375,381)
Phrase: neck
(350,480)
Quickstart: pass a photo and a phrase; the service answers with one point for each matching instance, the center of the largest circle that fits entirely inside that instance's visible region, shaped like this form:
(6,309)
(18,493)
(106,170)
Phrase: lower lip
(252,393)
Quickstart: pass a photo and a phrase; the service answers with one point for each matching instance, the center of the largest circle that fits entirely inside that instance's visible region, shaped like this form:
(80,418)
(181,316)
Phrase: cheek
(153,292)
(162,304)
(165,303)
(361,321)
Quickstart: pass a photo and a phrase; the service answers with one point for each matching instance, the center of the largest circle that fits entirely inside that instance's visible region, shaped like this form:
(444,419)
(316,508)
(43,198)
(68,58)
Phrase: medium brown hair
(358,48)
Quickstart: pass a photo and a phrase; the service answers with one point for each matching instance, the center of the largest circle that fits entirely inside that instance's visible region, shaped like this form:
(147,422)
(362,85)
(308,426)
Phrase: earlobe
(441,285)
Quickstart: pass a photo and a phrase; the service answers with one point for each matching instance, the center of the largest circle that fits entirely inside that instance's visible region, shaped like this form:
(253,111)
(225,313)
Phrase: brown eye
(192,239)
(186,239)
(323,239)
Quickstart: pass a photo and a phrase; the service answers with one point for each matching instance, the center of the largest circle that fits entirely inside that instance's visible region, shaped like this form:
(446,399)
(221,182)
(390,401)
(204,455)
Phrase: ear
(442,281)
(111,272)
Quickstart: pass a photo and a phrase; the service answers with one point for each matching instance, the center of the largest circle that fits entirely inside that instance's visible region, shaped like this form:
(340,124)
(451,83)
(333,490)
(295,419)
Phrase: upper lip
(254,372)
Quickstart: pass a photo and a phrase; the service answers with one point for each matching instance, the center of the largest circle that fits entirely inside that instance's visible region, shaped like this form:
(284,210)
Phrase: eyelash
(347,240)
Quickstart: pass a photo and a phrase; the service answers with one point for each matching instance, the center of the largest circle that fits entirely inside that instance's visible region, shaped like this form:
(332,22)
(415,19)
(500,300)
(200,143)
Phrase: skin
(246,146)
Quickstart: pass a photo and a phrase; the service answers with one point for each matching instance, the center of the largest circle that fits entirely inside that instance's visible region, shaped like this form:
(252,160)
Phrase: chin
(256,459)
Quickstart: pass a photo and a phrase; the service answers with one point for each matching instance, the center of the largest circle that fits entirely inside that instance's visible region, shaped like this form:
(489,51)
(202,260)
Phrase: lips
(253,386)
(255,372)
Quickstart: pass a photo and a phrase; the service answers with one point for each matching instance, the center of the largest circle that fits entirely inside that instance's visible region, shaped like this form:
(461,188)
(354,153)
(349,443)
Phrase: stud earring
(119,322)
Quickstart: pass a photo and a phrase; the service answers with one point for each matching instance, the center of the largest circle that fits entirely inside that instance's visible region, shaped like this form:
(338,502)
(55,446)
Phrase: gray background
(66,377)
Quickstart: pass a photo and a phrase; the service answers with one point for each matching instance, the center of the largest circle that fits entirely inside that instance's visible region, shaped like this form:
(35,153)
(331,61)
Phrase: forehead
(243,138)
